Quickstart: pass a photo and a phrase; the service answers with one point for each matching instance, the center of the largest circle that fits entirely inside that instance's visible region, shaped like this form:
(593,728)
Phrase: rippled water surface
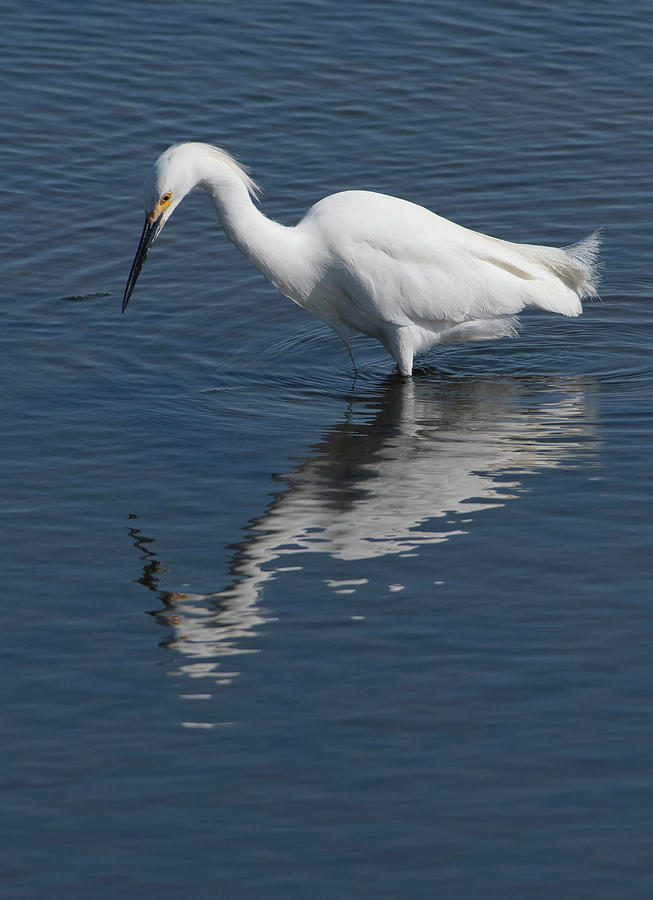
(273,631)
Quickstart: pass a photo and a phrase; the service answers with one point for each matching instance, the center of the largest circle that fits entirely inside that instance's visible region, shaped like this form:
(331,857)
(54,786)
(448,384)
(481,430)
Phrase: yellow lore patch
(160,207)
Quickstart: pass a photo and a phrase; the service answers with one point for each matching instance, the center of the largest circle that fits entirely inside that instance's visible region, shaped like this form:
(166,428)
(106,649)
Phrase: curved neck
(273,248)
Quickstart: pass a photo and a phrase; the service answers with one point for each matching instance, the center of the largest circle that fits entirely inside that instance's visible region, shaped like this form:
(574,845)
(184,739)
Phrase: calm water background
(270,633)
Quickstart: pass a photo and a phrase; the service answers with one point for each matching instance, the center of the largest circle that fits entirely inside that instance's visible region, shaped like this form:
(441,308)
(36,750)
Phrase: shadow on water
(406,467)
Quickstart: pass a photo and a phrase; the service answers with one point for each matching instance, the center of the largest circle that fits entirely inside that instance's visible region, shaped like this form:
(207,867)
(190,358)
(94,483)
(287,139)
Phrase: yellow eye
(166,197)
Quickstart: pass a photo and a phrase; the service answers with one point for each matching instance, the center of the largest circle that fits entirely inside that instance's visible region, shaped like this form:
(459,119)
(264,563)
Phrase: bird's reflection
(409,466)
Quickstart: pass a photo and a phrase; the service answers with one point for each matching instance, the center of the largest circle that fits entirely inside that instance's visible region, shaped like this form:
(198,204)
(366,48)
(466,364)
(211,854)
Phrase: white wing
(402,264)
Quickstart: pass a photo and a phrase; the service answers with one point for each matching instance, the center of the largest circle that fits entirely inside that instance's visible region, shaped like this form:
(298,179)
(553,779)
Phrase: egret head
(167,183)
(179,170)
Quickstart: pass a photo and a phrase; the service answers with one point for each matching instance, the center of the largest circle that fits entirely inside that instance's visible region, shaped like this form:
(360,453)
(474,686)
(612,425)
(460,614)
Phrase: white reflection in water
(406,467)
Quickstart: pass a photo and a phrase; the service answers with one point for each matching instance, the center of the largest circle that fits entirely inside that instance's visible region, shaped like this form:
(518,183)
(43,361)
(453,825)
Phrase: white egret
(372,263)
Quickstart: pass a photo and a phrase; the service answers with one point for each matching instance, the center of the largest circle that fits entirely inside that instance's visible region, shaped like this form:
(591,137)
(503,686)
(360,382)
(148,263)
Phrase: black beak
(150,233)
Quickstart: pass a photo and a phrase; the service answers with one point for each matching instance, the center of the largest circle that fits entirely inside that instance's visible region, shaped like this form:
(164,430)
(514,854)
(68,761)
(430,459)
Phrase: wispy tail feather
(575,266)
(586,254)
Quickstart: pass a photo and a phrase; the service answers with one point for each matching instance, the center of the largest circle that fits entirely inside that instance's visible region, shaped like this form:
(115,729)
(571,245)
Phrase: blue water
(270,631)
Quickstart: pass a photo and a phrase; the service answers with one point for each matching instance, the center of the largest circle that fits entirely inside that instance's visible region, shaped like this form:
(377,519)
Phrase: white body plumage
(368,262)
